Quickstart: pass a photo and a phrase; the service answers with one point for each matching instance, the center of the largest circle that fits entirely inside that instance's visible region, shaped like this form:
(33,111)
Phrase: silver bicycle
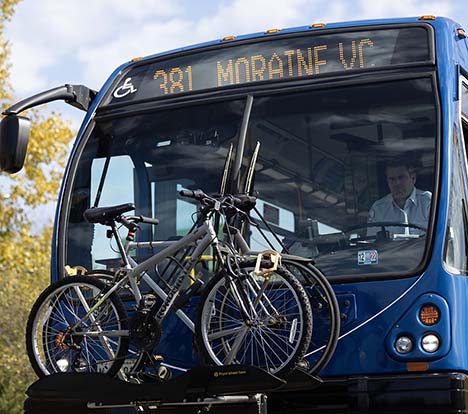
(252,311)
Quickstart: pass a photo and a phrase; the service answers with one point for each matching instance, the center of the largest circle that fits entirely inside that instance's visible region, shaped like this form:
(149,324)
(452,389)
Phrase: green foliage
(25,275)
(24,255)
(6,12)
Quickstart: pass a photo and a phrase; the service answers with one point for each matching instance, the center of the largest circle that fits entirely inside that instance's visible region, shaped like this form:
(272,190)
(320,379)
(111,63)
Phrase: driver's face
(401,182)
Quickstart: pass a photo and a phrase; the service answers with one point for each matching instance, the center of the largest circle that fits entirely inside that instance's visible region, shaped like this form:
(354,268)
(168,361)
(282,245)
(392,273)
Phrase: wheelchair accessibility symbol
(124,89)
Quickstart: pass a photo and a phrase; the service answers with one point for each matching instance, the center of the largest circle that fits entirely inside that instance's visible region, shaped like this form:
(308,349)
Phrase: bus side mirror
(14,138)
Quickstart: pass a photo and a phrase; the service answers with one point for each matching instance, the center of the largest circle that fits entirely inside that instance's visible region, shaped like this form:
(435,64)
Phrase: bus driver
(404,204)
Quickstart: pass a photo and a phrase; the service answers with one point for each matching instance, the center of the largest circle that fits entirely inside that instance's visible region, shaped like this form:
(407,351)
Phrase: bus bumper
(408,393)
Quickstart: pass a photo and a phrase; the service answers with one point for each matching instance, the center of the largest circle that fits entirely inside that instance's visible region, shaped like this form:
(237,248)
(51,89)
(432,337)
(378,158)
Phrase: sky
(54,42)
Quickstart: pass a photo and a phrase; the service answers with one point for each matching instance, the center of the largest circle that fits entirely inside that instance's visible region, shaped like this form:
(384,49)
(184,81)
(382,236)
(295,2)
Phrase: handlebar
(130,221)
(143,219)
(242,202)
(109,215)
(197,194)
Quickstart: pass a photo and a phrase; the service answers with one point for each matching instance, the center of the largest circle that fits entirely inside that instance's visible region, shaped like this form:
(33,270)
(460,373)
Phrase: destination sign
(273,60)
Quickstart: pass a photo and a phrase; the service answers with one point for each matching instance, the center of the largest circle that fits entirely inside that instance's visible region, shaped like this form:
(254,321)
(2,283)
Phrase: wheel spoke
(63,339)
(271,337)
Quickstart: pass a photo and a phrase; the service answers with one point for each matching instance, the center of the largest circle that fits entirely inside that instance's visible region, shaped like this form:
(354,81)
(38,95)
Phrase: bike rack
(203,389)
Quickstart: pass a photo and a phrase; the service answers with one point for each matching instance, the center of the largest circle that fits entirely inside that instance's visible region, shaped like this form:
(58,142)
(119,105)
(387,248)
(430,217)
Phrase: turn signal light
(429,315)
(461,33)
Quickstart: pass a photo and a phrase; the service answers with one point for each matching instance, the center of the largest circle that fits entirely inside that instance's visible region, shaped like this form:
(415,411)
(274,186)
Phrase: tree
(24,250)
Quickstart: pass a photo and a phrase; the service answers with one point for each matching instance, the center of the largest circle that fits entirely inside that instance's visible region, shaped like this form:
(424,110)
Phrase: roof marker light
(270,31)
(226,38)
(317,25)
(136,59)
(461,33)
(427,17)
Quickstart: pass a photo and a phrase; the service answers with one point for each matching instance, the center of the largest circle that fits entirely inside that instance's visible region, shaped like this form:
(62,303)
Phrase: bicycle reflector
(429,314)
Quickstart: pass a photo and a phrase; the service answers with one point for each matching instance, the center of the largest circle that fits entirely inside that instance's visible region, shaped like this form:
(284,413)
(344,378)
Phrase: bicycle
(325,309)
(253,311)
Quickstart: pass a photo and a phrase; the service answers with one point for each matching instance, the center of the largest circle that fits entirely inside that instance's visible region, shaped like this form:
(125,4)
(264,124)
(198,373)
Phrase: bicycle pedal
(161,374)
(164,373)
(147,302)
(303,365)
(146,377)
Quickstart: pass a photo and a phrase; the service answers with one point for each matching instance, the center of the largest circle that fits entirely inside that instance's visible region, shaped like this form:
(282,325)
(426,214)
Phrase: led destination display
(274,60)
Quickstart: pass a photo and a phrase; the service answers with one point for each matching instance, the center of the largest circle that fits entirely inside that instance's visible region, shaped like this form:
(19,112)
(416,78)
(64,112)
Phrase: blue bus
(362,167)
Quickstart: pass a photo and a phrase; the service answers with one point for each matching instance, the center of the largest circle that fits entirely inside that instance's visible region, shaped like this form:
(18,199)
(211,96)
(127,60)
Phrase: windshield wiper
(240,146)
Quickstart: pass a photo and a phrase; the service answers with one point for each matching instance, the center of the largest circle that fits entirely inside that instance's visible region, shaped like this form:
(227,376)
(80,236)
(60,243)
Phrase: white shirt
(415,211)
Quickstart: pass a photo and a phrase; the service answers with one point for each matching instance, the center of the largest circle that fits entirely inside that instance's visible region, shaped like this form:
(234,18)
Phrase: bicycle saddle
(104,215)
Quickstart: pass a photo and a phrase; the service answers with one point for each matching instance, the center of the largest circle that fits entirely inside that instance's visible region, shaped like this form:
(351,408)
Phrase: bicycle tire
(58,308)
(280,358)
(325,313)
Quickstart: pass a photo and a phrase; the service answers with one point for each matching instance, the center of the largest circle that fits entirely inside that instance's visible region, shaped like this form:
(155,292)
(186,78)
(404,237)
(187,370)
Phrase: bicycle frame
(210,238)
(202,237)
(205,235)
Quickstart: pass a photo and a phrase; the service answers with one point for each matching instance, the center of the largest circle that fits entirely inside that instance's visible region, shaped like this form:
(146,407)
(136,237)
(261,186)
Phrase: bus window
(456,240)
(456,244)
(326,152)
(120,170)
(464,99)
(276,216)
(464,116)
(152,155)
(185,215)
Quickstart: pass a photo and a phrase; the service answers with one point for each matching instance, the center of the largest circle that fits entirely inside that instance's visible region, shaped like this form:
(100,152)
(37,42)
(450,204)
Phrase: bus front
(352,122)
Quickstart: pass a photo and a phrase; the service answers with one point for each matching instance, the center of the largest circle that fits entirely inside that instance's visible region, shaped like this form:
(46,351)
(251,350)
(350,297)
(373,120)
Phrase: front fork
(240,291)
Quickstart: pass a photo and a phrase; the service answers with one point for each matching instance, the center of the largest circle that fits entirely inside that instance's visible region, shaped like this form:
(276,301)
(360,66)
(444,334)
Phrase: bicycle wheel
(61,338)
(325,313)
(279,330)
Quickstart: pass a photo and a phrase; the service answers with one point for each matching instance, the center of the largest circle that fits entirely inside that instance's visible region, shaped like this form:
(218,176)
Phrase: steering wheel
(382,234)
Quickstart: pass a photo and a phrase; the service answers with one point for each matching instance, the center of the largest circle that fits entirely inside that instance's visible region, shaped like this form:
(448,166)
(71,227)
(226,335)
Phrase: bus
(362,167)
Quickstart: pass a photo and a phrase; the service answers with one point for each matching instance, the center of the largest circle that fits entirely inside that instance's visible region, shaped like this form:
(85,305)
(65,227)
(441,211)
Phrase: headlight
(430,343)
(404,344)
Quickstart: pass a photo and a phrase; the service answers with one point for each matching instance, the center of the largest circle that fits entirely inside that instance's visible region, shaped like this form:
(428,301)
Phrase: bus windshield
(345,175)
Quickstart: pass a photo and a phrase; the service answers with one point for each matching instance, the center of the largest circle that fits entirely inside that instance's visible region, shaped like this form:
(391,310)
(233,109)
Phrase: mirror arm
(78,96)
